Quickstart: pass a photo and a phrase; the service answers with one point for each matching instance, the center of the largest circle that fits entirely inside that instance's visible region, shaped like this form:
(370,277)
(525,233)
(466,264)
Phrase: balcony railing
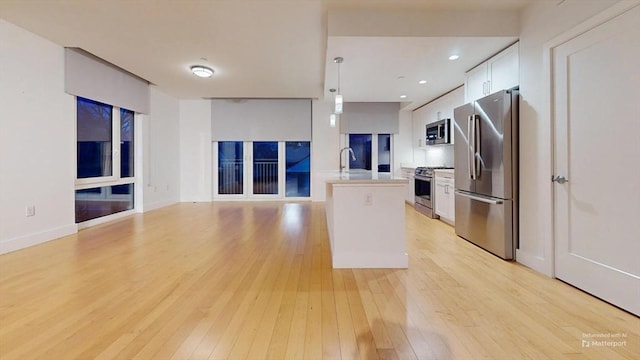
(231,174)
(230,177)
(265,177)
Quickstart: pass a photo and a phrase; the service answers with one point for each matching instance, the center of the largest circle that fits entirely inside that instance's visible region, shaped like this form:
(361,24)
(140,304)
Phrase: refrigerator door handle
(473,137)
(476,143)
(480,198)
(470,154)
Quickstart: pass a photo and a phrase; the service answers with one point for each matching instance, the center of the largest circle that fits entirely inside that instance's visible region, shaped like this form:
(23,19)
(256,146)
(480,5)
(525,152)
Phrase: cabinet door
(452,200)
(475,83)
(410,189)
(442,200)
(503,69)
(418,118)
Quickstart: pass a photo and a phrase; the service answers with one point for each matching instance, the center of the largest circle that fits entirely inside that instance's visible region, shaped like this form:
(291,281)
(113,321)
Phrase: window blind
(261,119)
(370,118)
(93,78)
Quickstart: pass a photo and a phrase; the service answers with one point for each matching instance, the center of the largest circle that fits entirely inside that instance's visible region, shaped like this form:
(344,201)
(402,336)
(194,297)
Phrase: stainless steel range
(425,187)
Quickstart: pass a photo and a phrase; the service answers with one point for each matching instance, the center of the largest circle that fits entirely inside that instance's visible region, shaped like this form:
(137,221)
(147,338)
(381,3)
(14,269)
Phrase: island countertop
(363,177)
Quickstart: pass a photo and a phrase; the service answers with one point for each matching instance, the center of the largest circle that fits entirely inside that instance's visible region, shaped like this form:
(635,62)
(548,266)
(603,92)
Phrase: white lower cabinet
(444,196)
(408,174)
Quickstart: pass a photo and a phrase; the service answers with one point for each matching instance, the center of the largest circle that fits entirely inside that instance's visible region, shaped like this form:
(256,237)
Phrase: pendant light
(338,102)
(333,118)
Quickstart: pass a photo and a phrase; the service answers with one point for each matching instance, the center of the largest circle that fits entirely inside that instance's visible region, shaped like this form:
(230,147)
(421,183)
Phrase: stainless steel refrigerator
(486,176)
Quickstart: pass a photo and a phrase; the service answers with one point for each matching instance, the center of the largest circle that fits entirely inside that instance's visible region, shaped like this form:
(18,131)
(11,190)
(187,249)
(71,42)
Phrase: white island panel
(366,223)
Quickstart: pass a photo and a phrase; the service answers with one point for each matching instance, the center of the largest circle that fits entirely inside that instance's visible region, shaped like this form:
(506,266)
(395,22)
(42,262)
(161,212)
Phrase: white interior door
(596,78)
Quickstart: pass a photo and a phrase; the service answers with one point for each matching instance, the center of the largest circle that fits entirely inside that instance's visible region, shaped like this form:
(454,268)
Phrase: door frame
(247,176)
(549,255)
(247,189)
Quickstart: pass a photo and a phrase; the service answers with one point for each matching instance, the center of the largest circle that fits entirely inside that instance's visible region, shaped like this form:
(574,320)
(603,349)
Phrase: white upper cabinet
(498,73)
(438,109)
(504,69)
(420,117)
(475,83)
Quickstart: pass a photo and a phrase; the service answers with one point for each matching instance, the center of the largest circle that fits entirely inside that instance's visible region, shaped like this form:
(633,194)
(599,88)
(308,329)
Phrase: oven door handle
(480,198)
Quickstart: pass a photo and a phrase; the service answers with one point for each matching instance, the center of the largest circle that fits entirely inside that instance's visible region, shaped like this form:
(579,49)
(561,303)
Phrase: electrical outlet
(31,210)
(368,199)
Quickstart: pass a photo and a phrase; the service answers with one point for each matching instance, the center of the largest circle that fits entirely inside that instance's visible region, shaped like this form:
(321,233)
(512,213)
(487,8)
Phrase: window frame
(115,179)
(344,140)
(248,194)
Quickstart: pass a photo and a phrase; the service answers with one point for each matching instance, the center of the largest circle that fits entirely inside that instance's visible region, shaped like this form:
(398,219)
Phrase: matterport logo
(613,340)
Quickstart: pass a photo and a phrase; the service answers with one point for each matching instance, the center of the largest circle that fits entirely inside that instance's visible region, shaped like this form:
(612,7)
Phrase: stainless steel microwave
(438,132)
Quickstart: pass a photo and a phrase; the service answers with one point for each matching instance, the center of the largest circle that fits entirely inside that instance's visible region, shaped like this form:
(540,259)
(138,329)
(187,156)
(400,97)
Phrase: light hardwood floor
(254,280)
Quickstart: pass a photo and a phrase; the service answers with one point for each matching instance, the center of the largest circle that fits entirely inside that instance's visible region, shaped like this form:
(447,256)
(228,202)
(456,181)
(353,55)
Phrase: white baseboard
(158,205)
(36,238)
(534,262)
(370,261)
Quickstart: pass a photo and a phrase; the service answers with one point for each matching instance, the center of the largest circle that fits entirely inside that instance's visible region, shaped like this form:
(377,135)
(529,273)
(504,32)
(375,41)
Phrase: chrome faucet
(353,156)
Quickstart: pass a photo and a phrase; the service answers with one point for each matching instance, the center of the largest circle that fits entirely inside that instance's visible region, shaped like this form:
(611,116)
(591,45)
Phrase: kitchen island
(366,220)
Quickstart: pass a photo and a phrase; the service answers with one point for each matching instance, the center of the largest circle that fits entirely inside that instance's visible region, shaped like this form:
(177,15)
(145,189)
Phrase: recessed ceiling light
(201,71)
(422,82)
(454,57)
(403,96)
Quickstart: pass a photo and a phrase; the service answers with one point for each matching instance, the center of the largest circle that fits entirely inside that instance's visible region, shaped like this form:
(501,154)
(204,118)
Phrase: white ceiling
(262,49)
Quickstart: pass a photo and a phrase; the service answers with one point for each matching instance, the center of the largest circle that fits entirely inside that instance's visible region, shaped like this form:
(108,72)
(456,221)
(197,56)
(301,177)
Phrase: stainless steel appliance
(486,178)
(438,132)
(425,189)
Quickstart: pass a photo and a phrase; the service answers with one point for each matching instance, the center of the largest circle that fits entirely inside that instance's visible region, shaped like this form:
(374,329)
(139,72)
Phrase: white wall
(402,142)
(162,156)
(37,141)
(196,177)
(541,22)
(325,147)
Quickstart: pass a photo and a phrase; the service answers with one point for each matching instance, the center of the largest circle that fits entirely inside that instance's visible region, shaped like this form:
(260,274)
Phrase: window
(230,167)
(101,201)
(105,159)
(265,167)
(298,169)
(373,152)
(262,169)
(384,153)
(361,145)
(94,139)
(126,143)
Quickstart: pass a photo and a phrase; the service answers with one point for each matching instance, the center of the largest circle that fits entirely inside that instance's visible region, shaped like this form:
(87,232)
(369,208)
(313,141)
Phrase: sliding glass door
(262,169)
(265,168)
(230,168)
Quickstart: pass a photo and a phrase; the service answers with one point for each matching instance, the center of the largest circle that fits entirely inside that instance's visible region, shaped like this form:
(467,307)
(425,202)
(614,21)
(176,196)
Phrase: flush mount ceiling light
(403,96)
(337,105)
(201,71)
(422,82)
(454,57)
